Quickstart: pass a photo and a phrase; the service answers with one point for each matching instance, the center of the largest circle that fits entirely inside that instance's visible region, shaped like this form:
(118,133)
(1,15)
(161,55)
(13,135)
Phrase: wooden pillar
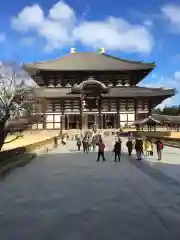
(100,113)
(84,120)
(81,115)
(105,124)
(67,116)
(62,116)
(150,109)
(117,114)
(135,110)
(44,106)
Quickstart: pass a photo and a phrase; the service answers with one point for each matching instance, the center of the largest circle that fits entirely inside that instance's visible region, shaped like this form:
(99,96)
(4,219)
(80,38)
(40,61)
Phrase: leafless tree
(13,88)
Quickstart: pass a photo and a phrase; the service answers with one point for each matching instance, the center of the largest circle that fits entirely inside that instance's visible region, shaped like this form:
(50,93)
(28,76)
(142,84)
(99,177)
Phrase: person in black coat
(129,146)
(78,144)
(139,148)
(117,150)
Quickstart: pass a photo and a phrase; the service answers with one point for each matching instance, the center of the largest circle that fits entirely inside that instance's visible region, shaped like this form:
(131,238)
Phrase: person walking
(139,147)
(101,146)
(85,145)
(64,141)
(89,143)
(56,142)
(148,147)
(159,148)
(79,144)
(117,149)
(93,143)
(129,146)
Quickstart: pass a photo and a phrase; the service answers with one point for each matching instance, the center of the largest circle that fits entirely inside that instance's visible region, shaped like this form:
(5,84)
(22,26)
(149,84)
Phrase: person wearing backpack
(159,147)
(101,150)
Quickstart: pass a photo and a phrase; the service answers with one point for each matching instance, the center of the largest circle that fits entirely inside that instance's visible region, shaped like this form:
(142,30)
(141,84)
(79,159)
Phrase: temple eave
(113,92)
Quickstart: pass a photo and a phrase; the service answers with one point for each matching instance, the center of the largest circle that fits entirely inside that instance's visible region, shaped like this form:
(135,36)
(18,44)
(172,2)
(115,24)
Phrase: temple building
(81,89)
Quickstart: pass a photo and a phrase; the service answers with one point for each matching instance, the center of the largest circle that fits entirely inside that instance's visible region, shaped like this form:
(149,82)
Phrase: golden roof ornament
(73,50)
(102,50)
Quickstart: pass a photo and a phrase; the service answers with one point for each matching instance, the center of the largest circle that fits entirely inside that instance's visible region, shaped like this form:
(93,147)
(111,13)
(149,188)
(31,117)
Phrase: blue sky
(138,30)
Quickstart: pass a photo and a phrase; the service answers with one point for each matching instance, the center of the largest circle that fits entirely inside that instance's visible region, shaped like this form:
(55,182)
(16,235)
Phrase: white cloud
(114,34)
(171,13)
(177,75)
(31,17)
(61,27)
(61,12)
(148,23)
(2,37)
(166,83)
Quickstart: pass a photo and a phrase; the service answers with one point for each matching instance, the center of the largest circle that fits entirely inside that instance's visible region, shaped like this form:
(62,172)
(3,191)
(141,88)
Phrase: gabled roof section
(167,118)
(160,119)
(84,61)
(118,92)
(147,121)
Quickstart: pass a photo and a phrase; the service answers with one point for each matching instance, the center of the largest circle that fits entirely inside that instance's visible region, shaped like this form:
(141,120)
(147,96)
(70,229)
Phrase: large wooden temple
(81,89)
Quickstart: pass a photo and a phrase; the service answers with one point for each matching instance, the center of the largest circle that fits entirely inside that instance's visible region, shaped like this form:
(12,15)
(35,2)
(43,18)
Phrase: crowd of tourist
(142,147)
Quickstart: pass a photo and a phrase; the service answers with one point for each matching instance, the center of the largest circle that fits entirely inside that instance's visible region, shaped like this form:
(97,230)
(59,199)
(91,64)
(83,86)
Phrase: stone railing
(22,155)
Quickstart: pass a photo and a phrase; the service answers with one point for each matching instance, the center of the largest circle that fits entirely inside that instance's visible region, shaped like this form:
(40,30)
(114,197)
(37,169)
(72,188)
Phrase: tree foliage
(172,110)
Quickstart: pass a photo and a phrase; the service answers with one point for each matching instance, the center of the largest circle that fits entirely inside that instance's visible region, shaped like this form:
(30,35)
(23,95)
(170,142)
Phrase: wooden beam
(118,113)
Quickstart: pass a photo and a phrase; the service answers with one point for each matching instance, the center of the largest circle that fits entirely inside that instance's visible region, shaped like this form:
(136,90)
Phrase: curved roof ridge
(103,54)
(154,88)
(127,60)
(45,61)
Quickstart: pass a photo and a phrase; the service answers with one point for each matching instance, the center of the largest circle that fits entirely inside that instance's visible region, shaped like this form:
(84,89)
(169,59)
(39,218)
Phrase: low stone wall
(14,157)
(171,139)
(161,134)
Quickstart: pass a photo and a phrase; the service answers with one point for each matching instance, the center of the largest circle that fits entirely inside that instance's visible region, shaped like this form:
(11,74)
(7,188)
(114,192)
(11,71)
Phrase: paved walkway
(69,196)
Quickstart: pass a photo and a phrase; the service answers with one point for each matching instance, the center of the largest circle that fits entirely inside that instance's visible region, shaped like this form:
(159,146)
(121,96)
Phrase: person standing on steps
(101,146)
(117,149)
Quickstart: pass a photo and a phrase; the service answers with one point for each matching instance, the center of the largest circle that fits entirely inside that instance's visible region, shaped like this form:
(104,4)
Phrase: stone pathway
(67,195)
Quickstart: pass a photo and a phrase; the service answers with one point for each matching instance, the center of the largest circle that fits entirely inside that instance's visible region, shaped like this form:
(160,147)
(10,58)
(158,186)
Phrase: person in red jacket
(101,146)
(159,148)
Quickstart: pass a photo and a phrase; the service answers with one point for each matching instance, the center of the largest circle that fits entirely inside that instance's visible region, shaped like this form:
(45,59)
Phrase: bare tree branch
(12,105)
(3,101)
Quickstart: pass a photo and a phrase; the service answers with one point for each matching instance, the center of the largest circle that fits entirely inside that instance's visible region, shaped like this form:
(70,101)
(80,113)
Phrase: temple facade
(83,89)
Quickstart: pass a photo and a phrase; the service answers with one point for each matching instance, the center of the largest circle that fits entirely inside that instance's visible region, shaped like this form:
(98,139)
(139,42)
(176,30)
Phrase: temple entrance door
(91,121)
(66,121)
(110,120)
(91,97)
(74,121)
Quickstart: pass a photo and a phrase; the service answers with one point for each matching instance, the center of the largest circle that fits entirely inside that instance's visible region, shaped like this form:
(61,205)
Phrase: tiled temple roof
(84,61)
